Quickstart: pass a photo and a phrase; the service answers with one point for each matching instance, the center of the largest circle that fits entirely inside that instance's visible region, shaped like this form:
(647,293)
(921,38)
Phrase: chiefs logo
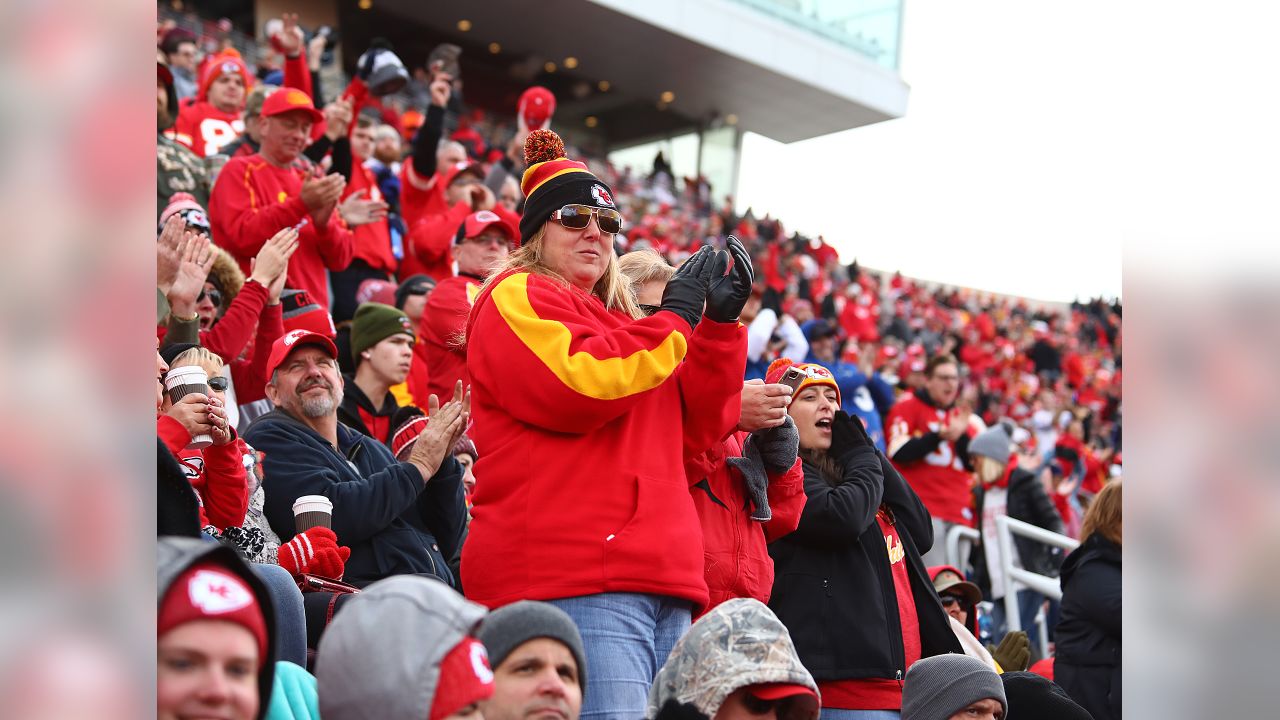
(215,592)
(602,195)
(294,336)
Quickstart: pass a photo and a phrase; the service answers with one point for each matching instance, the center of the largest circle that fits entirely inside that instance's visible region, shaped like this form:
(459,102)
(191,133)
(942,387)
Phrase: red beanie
(228,61)
(465,678)
(814,374)
(208,591)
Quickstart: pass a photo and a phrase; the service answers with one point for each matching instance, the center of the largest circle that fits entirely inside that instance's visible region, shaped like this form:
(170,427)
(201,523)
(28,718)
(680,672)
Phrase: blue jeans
(627,637)
(837,714)
(291,623)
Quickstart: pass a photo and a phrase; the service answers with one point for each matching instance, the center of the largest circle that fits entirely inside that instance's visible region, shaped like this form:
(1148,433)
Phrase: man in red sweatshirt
(480,245)
(257,196)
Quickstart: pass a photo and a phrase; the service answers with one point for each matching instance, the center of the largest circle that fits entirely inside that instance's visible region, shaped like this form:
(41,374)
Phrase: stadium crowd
(454,422)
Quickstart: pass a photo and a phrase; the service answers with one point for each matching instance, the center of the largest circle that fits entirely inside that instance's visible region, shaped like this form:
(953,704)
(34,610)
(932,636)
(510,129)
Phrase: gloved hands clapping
(729,292)
(1014,652)
(686,291)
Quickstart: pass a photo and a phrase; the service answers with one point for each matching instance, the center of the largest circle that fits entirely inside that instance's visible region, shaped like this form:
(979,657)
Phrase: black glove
(751,465)
(687,289)
(847,435)
(729,293)
(779,446)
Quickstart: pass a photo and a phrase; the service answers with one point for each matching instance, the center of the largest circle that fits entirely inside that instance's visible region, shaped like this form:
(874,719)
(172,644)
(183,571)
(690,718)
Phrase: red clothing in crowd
(872,693)
(372,240)
(859,322)
(253,200)
(420,197)
(217,473)
(205,129)
(737,561)
(428,248)
(939,477)
(444,320)
(576,411)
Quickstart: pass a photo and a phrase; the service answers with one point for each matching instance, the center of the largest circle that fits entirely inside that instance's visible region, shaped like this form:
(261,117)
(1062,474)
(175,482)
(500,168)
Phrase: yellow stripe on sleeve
(602,379)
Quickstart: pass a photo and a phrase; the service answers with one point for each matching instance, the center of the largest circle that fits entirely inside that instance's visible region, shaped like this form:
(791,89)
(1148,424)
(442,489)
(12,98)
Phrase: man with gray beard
(397,517)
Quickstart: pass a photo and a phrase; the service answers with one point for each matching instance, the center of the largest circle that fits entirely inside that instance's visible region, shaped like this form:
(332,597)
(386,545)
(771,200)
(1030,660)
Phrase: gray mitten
(751,465)
(779,446)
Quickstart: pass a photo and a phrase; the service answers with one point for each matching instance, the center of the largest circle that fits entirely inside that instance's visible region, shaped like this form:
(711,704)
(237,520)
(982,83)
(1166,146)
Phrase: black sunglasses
(219,383)
(760,706)
(215,296)
(949,600)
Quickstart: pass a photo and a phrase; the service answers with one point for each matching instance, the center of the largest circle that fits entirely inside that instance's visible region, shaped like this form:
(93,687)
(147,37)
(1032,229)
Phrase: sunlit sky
(988,181)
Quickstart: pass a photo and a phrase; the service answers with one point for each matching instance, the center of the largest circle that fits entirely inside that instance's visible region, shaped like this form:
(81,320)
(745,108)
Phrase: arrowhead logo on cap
(297,97)
(293,336)
(216,593)
(601,195)
(487,216)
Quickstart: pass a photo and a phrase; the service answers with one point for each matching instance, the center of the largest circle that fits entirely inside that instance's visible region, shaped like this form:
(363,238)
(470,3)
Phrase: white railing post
(1017,578)
(956,535)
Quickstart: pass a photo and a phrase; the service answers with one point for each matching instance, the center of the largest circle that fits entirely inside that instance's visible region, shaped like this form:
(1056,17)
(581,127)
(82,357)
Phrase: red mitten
(315,552)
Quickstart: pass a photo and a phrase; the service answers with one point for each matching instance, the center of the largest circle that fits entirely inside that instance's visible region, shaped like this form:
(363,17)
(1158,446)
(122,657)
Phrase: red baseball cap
(289,99)
(293,340)
(536,106)
(478,222)
(778,691)
(452,173)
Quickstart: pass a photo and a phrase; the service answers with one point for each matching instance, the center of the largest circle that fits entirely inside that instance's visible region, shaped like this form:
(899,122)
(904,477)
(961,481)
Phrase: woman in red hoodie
(579,405)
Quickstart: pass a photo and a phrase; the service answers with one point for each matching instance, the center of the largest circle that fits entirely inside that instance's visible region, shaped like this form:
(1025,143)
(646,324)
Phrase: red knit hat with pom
(553,181)
(814,374)
(227,61)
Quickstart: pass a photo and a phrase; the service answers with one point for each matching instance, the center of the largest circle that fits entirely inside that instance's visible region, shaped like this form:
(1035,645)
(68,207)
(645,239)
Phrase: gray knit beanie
(509,627)
(938,687)
(994,442)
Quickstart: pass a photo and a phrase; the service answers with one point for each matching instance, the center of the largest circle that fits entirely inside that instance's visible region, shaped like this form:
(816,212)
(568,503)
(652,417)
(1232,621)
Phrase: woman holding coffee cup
(194,427)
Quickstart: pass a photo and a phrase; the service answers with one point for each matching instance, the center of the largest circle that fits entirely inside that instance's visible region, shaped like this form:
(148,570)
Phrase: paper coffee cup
(180,382)
(312,511)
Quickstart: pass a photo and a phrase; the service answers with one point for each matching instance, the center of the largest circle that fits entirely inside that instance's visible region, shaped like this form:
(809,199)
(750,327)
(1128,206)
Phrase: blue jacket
(381,510)
(869,398)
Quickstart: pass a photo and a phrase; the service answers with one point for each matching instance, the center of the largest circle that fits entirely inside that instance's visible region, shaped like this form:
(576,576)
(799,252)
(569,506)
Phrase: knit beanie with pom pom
(811,374)
(553,181)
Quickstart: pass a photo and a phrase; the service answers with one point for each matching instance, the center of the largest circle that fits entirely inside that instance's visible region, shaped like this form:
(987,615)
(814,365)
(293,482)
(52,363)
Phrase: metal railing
(1050,587)
(956,536)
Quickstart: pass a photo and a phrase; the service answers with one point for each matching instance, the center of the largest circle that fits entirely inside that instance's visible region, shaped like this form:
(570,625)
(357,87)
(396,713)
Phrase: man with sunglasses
(481,243)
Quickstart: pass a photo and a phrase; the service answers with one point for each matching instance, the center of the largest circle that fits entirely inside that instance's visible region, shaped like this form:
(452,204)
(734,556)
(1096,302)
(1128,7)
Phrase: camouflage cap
(253,104)
(739,643)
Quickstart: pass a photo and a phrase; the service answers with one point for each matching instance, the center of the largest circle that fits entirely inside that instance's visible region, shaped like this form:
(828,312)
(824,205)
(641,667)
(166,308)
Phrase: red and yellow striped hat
(553,181)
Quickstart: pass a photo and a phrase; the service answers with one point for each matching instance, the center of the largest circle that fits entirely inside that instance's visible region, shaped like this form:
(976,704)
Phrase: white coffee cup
(312,511)
(182,381)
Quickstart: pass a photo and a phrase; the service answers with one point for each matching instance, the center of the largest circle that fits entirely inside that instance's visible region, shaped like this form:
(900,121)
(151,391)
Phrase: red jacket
(206,129)
(428,247)
(443,320)
(253,200)
(372,240)
(737,562)
(217,473)
(576,412)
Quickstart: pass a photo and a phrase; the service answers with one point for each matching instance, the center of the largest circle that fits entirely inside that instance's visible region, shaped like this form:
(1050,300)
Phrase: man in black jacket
(397,517)
(1004,488)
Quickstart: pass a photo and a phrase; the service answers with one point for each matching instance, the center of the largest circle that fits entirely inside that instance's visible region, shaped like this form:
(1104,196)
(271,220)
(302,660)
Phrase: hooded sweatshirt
(738,643)
(380,657)
(174,555)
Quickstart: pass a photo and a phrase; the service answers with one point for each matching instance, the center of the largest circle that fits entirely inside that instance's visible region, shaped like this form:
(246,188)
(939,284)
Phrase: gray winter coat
(380,657)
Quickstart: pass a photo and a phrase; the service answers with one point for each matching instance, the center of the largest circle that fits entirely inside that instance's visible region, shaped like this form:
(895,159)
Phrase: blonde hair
(199,357)
(1105,514)
(613,288)
(643,267)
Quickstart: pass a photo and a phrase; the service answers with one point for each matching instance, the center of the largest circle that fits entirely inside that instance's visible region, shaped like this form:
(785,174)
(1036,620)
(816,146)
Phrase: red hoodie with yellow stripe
(580,418)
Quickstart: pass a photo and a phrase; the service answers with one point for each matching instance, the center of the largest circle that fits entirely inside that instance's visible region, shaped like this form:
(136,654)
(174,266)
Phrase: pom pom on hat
(542,146)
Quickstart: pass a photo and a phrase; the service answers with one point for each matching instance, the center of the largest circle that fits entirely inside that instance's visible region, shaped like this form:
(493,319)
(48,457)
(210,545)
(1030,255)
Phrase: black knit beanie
(553,181)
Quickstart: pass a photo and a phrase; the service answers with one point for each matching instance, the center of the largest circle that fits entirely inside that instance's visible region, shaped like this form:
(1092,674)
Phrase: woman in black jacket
(849,583)
(1088,650)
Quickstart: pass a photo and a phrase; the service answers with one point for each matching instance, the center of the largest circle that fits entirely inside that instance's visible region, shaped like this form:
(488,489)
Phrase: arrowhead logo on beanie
(216,593)
(602,195)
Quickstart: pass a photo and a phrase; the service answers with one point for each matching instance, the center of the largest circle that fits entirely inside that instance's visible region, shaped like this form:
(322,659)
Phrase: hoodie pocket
(662,541)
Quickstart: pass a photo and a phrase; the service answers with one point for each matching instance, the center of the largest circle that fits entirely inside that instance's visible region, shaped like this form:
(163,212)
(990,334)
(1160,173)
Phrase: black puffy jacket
(833,586)
(1088,633)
